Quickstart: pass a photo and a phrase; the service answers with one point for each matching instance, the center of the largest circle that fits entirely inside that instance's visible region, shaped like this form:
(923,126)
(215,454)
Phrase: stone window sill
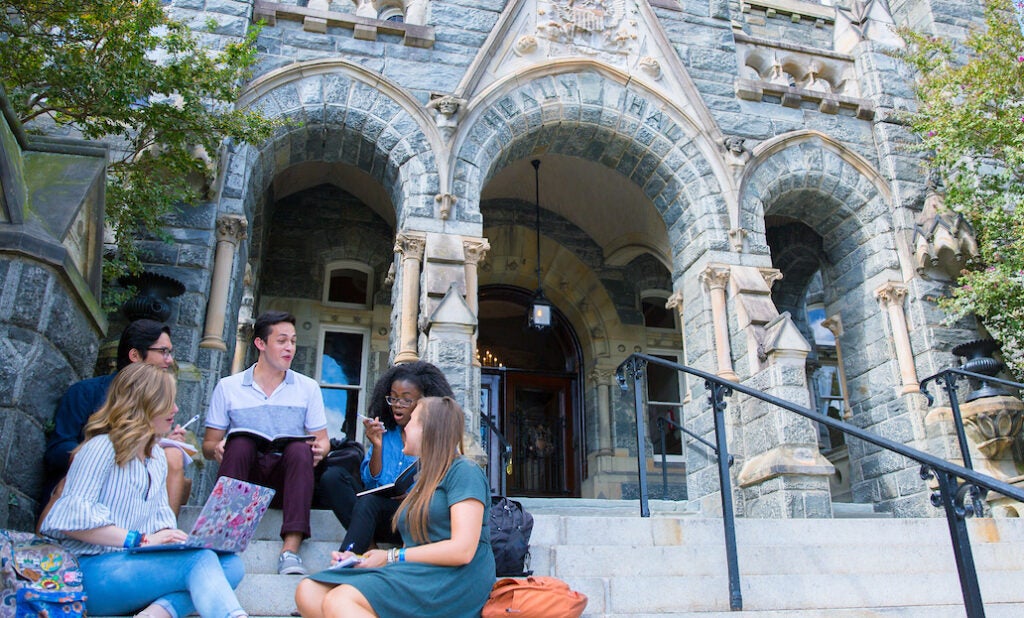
(795,9)
(828,102)
(363,28)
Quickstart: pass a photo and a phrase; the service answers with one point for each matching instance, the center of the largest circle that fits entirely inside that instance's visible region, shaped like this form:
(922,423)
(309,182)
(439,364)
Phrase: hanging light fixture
(540,308)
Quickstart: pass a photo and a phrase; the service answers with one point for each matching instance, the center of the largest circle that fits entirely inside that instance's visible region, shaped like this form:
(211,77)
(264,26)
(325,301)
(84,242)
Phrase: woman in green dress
(446,567)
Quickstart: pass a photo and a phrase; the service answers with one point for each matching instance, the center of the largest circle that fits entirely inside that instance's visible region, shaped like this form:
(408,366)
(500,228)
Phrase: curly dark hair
(422,374)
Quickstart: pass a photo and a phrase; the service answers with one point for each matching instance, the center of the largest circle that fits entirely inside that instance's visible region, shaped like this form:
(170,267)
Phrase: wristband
(133,539)
(401,555)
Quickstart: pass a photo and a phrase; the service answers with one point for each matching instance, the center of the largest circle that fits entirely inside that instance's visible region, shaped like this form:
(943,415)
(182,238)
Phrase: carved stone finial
(447,201)
(737,236)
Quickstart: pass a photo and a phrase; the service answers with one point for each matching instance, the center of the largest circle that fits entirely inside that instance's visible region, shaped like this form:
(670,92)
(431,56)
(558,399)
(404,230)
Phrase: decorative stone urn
(993,419)
(152,297)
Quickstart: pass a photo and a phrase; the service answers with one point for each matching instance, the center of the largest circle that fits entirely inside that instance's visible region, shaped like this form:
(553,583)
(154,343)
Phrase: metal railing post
(949,381)
(951,496)
(664,460)
(716,397)
(636,367)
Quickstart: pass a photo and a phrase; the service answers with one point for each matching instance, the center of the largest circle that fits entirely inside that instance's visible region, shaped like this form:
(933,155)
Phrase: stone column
(602,379)
(475,249)
(675,301)
(230,231)
(411,247)
(715,278)
(890,295)
(835,325)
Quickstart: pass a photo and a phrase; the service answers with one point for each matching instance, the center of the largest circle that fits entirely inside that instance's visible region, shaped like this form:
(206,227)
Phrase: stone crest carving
(587,26)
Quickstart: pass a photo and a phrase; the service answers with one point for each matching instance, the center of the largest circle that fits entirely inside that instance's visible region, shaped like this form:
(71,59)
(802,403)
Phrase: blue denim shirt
(393,460)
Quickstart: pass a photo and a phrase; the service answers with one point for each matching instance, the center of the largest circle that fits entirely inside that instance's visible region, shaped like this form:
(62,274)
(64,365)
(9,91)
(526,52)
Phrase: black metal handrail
(662,421)
(951,494)
(506,449)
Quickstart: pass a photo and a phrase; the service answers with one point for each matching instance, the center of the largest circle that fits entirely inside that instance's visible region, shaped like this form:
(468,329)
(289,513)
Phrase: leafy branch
(123,71)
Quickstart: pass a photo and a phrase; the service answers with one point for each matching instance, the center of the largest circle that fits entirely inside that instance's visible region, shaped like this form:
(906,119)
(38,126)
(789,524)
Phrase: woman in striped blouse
(116,498)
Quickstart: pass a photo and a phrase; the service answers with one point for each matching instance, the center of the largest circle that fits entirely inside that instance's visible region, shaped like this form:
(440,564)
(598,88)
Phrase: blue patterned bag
(40,578)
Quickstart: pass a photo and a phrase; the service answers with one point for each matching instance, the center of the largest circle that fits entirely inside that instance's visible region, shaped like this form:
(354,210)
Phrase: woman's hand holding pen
(374,430)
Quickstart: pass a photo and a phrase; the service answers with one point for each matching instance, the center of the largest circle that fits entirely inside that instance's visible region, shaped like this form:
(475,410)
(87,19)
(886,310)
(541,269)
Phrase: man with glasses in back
(143,341)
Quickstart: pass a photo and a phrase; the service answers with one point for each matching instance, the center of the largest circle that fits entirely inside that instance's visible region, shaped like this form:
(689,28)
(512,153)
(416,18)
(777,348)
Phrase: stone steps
(673,563)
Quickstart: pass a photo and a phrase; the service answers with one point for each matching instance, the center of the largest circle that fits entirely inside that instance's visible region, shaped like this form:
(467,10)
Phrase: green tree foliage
(971,121)
(124,72)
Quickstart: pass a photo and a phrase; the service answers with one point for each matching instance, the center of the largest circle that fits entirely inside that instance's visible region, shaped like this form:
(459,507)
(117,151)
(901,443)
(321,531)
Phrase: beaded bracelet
(133,538)
(391,555)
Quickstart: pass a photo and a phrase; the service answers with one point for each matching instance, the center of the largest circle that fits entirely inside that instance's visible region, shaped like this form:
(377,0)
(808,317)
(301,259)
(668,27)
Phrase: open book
(401,486)
(267,443)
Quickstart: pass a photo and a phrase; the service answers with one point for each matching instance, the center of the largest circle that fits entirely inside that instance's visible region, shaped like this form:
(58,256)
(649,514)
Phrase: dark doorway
(531,392)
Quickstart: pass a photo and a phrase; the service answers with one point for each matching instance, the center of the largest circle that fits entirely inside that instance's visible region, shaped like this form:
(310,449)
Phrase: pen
(350,547)
(383,429)
(190,421)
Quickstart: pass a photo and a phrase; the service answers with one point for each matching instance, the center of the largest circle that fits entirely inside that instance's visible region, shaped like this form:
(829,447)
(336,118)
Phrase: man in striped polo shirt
(266,425)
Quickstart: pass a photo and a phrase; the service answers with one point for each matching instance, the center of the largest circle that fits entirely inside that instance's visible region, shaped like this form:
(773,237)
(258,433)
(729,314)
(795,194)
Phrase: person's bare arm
(213,444)
(467,519)
(113,536)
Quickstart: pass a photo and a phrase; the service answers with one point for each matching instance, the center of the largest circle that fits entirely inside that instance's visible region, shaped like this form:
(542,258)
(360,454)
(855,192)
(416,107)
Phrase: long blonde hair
(440,441)
(138,394)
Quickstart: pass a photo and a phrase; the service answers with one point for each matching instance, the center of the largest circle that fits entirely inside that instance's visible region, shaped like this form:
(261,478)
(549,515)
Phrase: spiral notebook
(228,520)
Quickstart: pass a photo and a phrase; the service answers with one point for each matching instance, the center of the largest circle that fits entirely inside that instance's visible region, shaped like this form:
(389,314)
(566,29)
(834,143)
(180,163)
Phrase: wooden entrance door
(538,421)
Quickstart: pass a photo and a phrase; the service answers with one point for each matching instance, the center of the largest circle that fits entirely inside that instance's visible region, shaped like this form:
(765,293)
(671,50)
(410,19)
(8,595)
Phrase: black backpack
(511,527)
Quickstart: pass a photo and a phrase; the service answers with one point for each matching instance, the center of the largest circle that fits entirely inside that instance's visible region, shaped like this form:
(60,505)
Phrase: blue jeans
(180,581)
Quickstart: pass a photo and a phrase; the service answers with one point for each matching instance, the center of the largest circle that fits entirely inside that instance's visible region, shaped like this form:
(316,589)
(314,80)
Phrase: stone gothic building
(727,184)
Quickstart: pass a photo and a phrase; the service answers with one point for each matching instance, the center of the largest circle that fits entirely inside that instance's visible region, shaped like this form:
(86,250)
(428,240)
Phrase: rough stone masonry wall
(46,343)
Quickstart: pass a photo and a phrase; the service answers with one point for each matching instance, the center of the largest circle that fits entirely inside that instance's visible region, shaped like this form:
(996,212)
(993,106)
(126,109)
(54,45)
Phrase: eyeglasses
(399,401)
(165,352)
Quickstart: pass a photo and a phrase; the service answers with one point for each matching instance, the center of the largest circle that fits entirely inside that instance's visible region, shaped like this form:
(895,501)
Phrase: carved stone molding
(447,201)
(410,246)
(231,228)
(675,301)
(891,293)
(715,277)
(475,249)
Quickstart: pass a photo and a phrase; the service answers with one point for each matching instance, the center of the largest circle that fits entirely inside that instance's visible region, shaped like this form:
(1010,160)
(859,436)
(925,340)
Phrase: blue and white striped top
(100,493)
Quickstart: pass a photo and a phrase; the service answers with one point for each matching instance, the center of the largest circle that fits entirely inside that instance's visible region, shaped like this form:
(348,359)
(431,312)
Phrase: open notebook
(228,519)
(400,487)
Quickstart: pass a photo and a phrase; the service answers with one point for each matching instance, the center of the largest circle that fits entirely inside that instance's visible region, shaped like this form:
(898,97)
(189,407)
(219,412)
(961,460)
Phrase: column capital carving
(771,275)
(475,249)
(601,376)
(675,302)
(891,293)
(715,276)
(834,324)
(231,228)
(410,245)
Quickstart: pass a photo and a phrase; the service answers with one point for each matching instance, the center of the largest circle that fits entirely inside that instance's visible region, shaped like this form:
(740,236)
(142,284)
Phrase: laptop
(228,520)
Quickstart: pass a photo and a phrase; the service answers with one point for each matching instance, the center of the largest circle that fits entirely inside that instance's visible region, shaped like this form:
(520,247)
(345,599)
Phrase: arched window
(348,283)
(392,14)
